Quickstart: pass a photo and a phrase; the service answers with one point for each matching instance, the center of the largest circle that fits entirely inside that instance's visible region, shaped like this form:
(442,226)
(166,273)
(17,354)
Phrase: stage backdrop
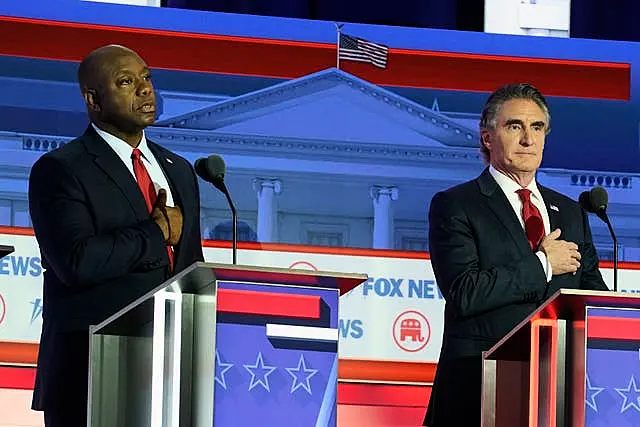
(396,315)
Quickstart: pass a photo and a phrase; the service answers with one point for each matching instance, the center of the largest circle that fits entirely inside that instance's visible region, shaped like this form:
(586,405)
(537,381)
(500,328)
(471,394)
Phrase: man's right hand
(168,218)
(563,256)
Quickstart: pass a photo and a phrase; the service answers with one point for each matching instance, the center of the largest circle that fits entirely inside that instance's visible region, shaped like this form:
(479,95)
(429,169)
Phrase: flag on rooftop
(356,49)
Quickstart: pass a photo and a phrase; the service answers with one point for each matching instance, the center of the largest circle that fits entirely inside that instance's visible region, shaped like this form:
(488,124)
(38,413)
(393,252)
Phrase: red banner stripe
(383,394)
(17,377)
(293,59)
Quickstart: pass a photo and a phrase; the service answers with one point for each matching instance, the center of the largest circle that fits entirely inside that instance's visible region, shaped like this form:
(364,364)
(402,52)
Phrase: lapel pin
(554,208)
(169,161)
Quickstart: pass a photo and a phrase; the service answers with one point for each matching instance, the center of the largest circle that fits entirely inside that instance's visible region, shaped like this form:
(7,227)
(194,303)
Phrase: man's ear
(91,99)
(485,139)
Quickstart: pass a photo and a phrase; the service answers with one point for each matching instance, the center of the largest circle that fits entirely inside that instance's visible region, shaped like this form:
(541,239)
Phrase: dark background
(594,19)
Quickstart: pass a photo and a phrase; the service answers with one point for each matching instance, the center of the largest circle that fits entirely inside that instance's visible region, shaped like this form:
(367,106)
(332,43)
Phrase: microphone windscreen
(211,169)
(585,201)
(599,198)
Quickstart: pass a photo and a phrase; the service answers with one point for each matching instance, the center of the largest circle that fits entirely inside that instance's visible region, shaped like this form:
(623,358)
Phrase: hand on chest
(501,226)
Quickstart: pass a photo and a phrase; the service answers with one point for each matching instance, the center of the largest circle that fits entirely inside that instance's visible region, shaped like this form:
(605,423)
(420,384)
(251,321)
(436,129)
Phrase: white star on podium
(631,397)
(307,374)
(220,369)
(592,392)
(261,377)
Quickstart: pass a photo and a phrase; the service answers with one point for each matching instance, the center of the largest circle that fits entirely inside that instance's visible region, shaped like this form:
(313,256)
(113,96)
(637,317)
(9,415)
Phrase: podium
(221,345)
(573,362)
(6,250)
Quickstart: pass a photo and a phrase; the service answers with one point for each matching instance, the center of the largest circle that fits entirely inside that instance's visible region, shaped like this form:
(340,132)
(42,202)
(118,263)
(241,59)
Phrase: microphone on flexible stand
(212,170)
(596,201)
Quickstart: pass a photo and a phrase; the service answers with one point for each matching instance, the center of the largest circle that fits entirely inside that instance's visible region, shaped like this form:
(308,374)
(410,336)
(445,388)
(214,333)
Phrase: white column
(383,216)
(267,223)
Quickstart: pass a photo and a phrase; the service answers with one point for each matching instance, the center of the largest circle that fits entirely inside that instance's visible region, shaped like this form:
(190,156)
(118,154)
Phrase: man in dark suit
(114,215)
(500,245)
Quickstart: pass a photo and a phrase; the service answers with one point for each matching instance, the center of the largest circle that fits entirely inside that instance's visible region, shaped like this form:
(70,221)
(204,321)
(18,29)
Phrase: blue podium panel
(276,355)
(612,389)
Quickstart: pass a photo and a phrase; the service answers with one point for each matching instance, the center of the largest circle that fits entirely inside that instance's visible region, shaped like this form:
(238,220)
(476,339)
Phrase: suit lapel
(553,208)
(107,160)
(499,204)
(168,162)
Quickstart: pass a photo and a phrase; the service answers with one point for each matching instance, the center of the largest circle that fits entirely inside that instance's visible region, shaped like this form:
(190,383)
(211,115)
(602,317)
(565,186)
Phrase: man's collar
(509,186)
(121,145)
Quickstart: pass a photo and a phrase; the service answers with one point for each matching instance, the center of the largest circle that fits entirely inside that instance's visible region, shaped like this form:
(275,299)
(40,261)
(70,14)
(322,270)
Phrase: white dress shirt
(124,151)
(510,188)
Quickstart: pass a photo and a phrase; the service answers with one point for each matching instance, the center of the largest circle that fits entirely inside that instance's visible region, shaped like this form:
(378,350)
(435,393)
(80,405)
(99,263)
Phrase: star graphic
(633,401)
(220,369)
(262,377)
(592,392)
(301,380)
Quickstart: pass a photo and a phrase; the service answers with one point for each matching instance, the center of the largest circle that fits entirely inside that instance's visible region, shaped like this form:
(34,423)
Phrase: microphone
(596,201)
(212,170)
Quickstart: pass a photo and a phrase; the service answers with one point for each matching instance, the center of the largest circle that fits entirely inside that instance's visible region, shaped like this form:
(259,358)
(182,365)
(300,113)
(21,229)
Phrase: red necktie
(533,224)
(146,187)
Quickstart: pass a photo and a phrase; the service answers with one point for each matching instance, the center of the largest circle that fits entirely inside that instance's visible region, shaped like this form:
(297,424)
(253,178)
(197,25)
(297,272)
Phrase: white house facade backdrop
(327,159)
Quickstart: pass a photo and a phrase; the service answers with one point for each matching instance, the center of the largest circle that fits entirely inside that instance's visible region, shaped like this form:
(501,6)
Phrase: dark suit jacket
(491,281)
(100,250)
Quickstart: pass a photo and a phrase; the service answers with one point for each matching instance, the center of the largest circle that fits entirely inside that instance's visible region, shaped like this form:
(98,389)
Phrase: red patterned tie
(533,224)
(146,186)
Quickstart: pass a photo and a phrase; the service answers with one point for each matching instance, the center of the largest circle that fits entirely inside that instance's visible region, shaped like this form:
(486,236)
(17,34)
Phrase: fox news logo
(17,265)
(351,328)
(392,287)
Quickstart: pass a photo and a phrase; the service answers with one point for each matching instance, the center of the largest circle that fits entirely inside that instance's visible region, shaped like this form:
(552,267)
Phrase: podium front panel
(276,355)
(612,383)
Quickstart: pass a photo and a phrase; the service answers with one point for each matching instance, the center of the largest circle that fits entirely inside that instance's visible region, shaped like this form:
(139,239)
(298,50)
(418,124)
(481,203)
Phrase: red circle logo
(411,331)
(303,265)
(3,309)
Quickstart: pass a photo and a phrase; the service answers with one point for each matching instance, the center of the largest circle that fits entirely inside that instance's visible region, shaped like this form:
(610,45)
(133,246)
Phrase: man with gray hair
(500,244)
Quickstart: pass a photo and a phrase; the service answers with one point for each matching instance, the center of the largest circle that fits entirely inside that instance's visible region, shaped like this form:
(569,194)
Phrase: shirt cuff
(546,265)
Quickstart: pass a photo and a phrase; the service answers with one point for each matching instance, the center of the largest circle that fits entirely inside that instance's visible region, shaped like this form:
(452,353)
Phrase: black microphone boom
(212,170)
(596,201)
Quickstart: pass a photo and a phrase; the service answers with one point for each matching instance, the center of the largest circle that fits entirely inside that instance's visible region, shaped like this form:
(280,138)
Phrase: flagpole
(338,30)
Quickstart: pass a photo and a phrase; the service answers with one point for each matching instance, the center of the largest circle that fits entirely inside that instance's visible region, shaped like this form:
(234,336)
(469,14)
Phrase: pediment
(330,105)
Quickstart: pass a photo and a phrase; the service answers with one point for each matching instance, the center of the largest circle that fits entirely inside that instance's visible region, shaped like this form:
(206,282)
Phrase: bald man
(114,215)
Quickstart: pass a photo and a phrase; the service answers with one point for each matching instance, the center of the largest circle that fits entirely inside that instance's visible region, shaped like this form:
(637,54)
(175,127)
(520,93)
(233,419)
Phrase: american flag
(357,49)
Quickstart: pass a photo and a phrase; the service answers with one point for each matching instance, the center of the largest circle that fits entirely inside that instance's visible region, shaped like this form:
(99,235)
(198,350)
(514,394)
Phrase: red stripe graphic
(268,304)
(613,328)
(292,59)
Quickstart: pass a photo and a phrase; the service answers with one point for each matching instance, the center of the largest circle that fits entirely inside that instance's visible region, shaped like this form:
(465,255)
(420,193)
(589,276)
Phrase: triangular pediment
(330,105)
